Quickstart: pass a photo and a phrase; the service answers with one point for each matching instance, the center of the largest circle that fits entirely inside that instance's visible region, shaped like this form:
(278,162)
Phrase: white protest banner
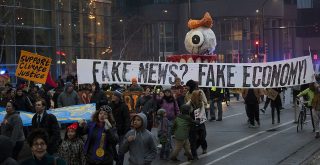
(285,73)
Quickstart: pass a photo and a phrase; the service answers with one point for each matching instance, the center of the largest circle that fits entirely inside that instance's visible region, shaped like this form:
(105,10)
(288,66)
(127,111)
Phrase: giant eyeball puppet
(200,39)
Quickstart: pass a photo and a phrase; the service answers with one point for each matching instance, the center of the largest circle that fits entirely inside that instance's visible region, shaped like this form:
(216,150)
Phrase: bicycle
(303,115)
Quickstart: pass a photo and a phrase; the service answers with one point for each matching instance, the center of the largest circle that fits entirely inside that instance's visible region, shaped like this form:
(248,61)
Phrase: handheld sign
(33,67)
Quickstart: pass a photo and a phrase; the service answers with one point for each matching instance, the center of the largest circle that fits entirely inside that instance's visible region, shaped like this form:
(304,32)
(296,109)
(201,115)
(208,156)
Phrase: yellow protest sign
(33,67)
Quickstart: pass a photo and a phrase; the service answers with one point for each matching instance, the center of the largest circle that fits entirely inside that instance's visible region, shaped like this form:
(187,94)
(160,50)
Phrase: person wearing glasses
(49,123)
(38,142)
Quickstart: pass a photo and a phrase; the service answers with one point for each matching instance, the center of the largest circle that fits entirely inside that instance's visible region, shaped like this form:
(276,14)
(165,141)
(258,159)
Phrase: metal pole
(163,41)
(263,39)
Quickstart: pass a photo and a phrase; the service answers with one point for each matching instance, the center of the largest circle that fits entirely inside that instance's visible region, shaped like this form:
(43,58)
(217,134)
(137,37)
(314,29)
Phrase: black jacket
(121,115)
(99,97)
(50,123)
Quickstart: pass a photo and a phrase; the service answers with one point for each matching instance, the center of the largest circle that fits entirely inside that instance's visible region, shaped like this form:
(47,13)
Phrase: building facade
(308,30)
(63,30)
(238,25)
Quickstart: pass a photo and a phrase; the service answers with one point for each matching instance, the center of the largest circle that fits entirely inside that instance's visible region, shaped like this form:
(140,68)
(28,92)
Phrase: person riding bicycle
(308,95)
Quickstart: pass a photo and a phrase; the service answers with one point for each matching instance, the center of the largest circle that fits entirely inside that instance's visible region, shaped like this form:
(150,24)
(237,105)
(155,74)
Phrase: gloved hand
(82,122)
(107,124)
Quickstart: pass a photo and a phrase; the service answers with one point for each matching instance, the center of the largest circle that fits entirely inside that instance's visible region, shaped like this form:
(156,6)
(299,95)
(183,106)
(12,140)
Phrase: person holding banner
(251,98)
(12,127)
(68,97)
(102,138)
(98,96)
(177,90)
(22,101)
(134,86)
(276,103)
(49,123)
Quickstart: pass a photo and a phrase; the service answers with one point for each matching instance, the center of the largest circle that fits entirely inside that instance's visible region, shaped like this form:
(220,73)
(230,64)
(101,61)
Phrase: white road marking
(233,115)
(239,141)
(249,145)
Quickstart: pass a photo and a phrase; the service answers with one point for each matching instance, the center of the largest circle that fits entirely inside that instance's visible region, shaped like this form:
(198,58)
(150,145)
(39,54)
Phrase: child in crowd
(163,134)
(71,149)
(180,129)
(139,142)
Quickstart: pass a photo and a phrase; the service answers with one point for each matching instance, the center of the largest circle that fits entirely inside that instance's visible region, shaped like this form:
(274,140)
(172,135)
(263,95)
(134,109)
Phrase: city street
(230,141)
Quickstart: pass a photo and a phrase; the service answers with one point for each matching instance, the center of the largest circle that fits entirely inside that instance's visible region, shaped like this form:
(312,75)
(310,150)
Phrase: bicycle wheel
(300,121)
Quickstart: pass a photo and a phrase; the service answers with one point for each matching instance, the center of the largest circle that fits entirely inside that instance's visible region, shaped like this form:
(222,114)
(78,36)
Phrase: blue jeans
(212,110)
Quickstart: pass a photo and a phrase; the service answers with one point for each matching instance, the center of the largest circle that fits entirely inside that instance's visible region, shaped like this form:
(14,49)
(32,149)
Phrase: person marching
(38,141)
(71,149)
(163,133)
(180,130)
(198,132)
(12,127)
(98,147)
(139,142)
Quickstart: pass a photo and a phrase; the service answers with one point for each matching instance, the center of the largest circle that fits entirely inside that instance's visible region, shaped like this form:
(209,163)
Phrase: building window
(166,36)
(304,4)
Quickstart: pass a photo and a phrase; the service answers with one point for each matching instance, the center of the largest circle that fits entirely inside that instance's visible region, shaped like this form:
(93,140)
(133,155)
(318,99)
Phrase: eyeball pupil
(195,39)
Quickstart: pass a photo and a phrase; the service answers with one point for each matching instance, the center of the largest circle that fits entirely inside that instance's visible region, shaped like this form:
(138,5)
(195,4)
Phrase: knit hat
(161,111)
(106,108)
(117,94)
(134,79)
(185,109)
(73,126)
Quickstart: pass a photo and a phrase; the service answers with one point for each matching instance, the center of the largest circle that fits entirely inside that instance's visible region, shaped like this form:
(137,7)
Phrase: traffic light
(257,47)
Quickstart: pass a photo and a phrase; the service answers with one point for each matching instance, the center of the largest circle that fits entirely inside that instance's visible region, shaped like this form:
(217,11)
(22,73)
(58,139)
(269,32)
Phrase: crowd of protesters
(179,112)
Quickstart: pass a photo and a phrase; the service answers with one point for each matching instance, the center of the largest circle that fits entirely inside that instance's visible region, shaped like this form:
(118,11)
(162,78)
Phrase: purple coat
(172,109)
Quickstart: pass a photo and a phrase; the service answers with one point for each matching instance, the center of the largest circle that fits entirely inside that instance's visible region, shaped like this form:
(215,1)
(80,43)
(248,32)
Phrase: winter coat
(181,127)
(23,103)
(309,93)
(14,128)
(72,152)
(50,123)
(67,99)
(46,160)
(257,93)
(6,146)
(277,101)
(121,115)
(146,104)
(95,134)
(198,114)
(142,149)
(99,97)
(172,109)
